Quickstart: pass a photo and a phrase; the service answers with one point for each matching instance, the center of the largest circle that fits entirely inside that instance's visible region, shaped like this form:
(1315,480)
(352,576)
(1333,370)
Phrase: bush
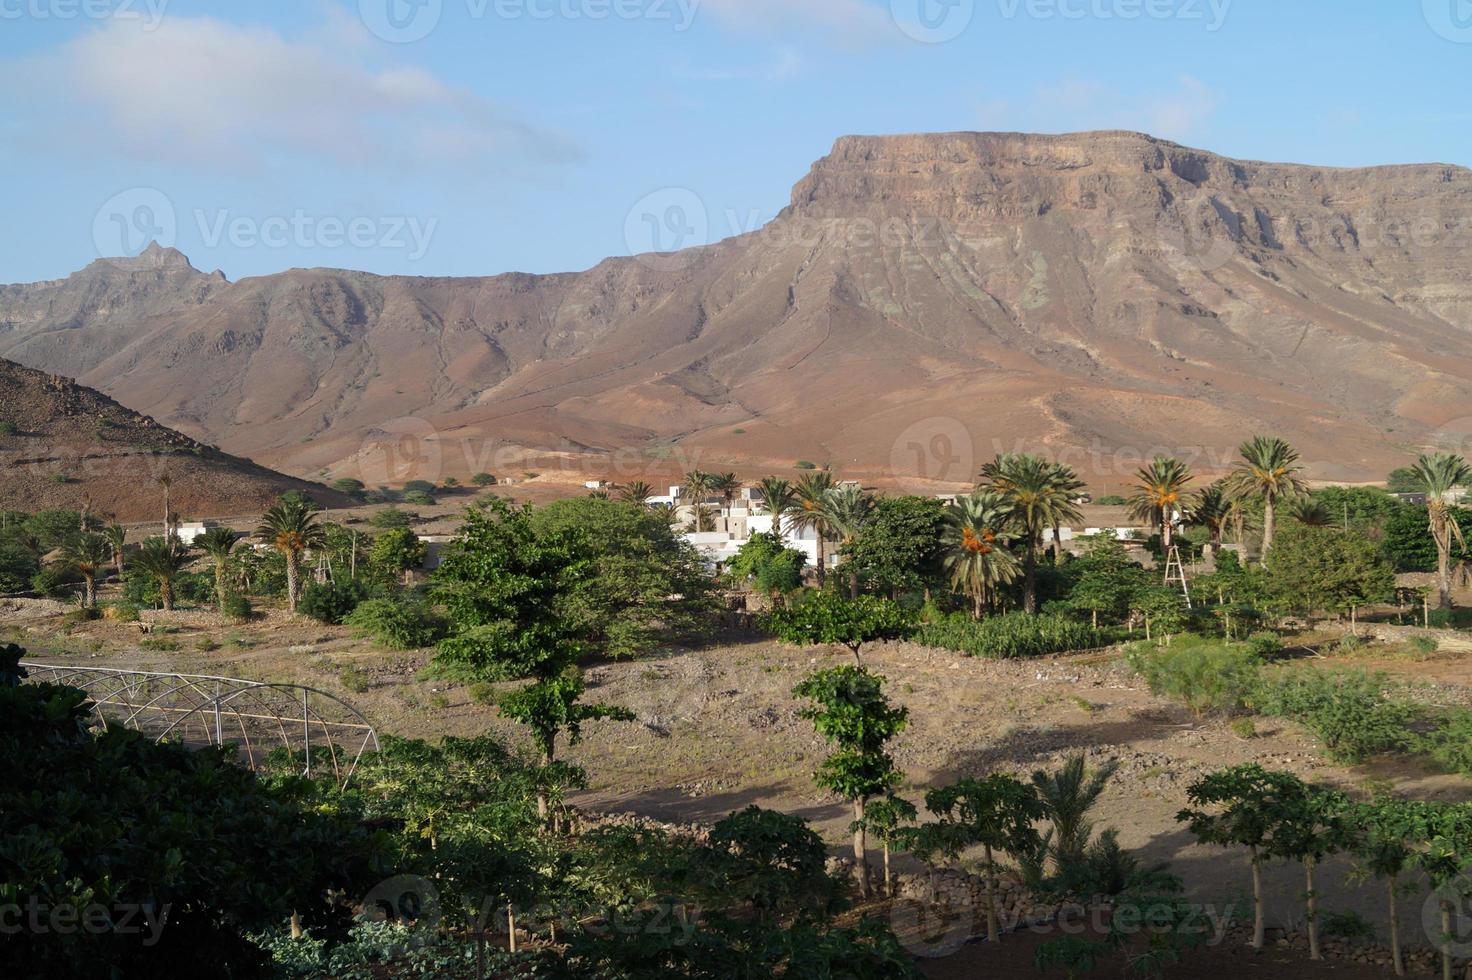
(189,587)
(123,612)
(422,497)
(1268,646)
(483,480)
(1352,713)
(391,517)
(1208,676)
(8,428)
(55,581)
(1010,637)
(396,625)
(237,607)
(1449,743)
(331,602)
(1111,500)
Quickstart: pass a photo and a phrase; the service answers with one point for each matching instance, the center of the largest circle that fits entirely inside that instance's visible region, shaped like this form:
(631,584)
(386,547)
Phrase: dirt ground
(718,730)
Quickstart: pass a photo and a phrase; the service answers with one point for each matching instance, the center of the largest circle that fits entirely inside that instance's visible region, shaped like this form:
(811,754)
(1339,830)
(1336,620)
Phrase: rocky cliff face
(922,303)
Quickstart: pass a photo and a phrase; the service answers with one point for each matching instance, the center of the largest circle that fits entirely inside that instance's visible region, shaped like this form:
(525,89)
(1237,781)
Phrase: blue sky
(471,137)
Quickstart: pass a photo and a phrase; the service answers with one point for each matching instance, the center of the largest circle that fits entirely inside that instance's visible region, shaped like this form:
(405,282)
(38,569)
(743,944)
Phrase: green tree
(1038,498)
(1268,471)
(117,537)
(1438,475)
(1066,797)
(1160,494)
(1311,513)
(765,563)
(849,509)
(1210,509)
(483,480)
(398,551)
(823,617)
(998,813)
(162,559)
(87,554)
(1443,833)
(851,712)
(810,514)
(697,486)
(898,549)
(1316,569)
(291,528)
(779,498)
(1403,479)
(1380,834)
(1106,579)
(888,818)
(636,492)
(976,542)
(218,543)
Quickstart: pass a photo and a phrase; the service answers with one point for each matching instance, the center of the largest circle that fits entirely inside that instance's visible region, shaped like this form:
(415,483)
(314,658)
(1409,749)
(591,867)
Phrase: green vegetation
(1012,636)
(1208,676)
(828,618)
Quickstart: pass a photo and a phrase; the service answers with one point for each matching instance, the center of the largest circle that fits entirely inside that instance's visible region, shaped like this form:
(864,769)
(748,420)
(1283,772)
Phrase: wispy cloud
(1181,110)
(844,21)
(785,64)
(211,94)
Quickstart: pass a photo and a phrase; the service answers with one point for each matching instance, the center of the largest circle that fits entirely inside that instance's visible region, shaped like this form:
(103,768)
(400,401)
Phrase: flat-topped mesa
(1023,174)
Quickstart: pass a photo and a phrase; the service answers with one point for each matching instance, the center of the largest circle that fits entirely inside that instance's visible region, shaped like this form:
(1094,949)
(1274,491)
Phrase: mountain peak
(155,257)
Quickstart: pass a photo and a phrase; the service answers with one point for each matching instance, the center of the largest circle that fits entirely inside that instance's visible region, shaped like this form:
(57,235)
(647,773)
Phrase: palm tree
(162,559)
(1269,469)
(167,482)
(808,511)
(1067,796)
(727,485)
(1068,482)
(1212,510)
(636,492)
(291,528)
(780,499)
(117,537)
(87,553)
(1436,476)
(1160,492)
(697,487)
(218,543)
(1310,512)
(848,509)
(976,544)
(1029,485)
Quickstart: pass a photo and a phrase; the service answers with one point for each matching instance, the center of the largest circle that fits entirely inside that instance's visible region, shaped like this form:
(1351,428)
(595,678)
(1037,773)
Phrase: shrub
(55,581)
(354,680)
(804,464)
(1449,743)
(123,612)
(1348,925)
(392,517)
(419,486)
(1268,646)
(165,644)
(422,497)
(189,587)
(8,428)
(1208,676)
(483,480)
(1424,645)
(236,606)
(398,626)
(1111,500)
(1244,728)
(331,602)
(1010,637)
(1351,712)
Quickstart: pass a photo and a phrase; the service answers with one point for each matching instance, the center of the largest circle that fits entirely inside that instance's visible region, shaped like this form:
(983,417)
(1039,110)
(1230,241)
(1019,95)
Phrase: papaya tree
(829,618)
(1444,833)
(1380,835)
(886,818)
(1312,823)
(998,813)
(849,709)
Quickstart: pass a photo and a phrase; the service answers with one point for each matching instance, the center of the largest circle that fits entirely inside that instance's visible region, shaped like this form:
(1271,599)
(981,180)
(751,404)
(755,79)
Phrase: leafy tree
(1162,608)
(1443,834)
(421,497)
(1242,806)
(419,486)
(1318,569)
(501,584)
(850,711)
(349,486)
(291,528)
(1364,509)
(162,559)
(1311,823)
(1403,479)
(18,564)
(53,528)
(396,625)
(332,602)
(1379,834)
(823,617)
(1106,579)
(1268,472)
(643,585)
(1160,493)
(218,543)
(483,480)
(998,813)
(398,551)
(763,561)
(1039,497)
(1438,475)
(976,542)
(809,513)
(773,861)
(390,518)
(898,549)
(87,554)
(887,818)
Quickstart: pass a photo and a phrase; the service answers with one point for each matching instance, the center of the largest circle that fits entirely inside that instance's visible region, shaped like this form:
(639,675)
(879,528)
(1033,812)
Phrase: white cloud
(849,21)
(784,65)
(1181,111)
(200,91)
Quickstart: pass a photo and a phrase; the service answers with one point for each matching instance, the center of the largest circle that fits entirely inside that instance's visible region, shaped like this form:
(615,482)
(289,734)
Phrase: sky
(474,137)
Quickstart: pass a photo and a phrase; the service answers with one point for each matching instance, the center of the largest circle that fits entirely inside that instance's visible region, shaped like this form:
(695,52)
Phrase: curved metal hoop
(198,709)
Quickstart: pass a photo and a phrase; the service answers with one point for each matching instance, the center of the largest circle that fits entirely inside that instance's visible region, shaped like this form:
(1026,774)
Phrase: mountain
(65,445)
(923,302)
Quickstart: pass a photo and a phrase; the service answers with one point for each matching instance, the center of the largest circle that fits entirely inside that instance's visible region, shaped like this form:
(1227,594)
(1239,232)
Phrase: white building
(188,532)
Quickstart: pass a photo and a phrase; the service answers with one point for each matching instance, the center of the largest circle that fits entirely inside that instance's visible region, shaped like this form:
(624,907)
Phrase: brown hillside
(63,444)
(924,302)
